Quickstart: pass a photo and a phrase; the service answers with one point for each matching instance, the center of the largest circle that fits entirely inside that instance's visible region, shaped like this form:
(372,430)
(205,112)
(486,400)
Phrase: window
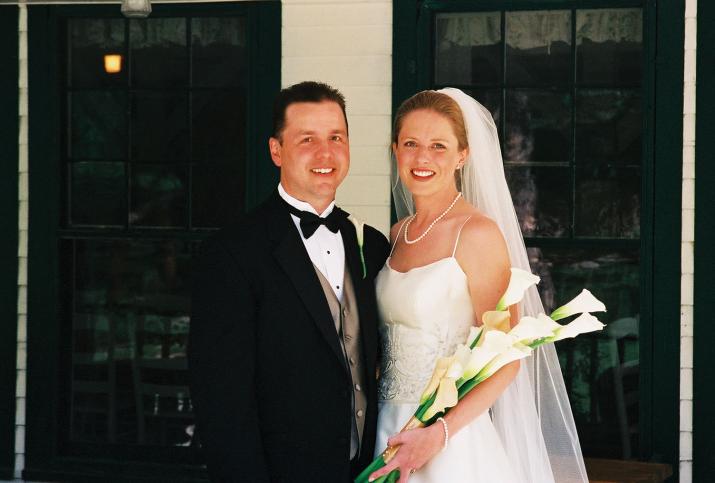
(564,87)
(158,121)
(574,98)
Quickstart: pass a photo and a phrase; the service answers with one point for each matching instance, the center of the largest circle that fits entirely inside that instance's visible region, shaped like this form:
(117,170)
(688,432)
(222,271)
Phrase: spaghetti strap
(454,251)
(397,237)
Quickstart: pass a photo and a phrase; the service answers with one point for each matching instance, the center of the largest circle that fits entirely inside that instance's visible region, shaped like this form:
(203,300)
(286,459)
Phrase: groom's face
(312,152)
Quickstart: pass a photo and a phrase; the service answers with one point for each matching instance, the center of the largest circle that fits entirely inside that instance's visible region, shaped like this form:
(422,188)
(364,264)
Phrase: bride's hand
(417,447)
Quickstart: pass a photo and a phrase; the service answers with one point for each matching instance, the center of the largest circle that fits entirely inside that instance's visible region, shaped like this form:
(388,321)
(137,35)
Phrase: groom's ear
(274,146)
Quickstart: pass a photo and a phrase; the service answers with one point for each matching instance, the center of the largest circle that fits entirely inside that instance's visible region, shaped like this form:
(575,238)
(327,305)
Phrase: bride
(449,263)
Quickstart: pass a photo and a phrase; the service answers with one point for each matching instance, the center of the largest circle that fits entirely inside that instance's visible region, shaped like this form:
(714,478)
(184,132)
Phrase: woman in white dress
(449,263)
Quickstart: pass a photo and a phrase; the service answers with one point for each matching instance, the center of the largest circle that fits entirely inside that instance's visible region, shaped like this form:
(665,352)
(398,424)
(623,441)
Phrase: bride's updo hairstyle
(441,104)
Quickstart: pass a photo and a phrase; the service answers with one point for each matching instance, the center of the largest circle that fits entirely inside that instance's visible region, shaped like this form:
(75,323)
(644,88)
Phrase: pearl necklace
(407,225)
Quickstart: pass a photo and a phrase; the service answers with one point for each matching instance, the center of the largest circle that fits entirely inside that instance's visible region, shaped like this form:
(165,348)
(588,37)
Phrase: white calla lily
(580,325)
(494,343)
(519,282)
(583,302)
(447,368)
(532,328)
(514,353)
(359,228)
(447,397)
(497,320)
(360,233)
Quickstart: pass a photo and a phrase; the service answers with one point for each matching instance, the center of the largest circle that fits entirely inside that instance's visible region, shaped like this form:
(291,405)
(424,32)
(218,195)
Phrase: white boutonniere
(360,229)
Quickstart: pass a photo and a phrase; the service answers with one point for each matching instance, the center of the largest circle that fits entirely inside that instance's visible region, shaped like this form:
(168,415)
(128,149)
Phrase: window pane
(538,47)
(468,48)
(90,39)
(159,196)
(158,51)
(491,99)
(608,202)
(218,193)
(610,45)
(160,126)
(219,51)
(541,199)
(219,125)
(600,369)
(609,125)
(538,126)
(98,127)
(129,332)
(98,193)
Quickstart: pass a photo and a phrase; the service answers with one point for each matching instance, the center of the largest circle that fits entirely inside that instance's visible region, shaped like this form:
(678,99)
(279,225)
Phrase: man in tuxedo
(283,339)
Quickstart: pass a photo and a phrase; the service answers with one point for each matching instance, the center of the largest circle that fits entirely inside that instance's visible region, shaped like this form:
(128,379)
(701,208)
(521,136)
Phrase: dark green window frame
(660,242)
(8,242)
(704,329)
(45,459)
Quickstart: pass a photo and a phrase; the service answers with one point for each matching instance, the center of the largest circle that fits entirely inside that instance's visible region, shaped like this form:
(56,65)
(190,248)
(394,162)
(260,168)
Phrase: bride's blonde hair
(436,102)
(441,104)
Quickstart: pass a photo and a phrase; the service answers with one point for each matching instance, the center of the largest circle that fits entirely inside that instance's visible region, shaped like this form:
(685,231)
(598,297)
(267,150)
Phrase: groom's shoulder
(246,231)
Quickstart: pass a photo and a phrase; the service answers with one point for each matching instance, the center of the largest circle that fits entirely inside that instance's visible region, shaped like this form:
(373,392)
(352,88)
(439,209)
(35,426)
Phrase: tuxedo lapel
(291,255)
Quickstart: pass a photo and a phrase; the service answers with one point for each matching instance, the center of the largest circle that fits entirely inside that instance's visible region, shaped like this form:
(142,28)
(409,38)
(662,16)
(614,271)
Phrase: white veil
(533,416)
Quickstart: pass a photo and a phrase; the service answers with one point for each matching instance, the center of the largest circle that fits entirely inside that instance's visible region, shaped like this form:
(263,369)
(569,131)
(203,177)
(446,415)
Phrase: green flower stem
(362,260)
(374,466)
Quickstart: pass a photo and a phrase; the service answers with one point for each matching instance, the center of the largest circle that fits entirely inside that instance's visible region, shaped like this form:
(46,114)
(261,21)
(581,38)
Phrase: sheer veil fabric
(533,416)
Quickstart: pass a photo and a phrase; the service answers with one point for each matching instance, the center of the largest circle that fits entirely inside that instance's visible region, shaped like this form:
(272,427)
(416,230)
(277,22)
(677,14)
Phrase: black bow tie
(309,222)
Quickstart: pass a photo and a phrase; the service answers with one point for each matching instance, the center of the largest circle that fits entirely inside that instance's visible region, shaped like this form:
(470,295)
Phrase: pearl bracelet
(446,432)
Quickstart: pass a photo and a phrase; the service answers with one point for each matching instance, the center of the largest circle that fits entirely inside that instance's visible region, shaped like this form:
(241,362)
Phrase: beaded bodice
(425,313)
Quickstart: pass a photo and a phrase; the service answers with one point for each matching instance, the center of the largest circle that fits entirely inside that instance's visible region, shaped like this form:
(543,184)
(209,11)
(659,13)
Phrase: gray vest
(347,324)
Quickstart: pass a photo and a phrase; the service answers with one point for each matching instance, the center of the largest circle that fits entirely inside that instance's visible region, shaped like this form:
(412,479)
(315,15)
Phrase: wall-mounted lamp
(136,8)
(112,63)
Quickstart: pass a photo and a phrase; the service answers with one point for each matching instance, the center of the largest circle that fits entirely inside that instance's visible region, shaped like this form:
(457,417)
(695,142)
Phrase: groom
(283,338)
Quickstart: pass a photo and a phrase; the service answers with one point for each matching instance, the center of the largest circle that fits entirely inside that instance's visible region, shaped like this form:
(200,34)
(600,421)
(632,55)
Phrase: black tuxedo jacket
(269,384)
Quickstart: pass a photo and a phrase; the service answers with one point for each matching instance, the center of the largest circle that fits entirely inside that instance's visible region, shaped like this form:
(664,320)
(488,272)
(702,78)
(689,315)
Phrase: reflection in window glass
(129,333)
(538,47)
(608,202)
(542,210)
(538,126)
(610,46)
(90,39)
(600,369)
(609,126)
(159,196)
(98,193)
(468,48)
(158,52)
(219,51)
(98,125)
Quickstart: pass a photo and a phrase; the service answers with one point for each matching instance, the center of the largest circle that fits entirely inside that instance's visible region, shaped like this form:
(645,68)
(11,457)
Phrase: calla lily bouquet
(489,348)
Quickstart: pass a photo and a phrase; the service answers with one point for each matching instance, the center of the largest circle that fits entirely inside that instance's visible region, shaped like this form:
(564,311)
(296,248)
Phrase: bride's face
(427,153)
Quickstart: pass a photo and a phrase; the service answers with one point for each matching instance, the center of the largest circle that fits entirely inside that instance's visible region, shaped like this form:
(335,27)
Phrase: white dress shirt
(324,248)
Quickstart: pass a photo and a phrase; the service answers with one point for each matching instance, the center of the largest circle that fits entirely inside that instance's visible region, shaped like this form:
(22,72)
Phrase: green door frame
(704,329)
(8,227)
(45,458)
(660,343)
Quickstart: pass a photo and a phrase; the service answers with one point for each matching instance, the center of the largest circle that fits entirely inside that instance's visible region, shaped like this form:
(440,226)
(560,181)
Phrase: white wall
(348,44)
(687,268)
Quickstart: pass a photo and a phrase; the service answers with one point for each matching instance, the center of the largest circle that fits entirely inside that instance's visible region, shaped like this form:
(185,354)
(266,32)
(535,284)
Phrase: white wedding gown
(425,314)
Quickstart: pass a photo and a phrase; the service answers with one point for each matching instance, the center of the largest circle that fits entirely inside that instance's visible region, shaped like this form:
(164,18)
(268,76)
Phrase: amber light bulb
(112,63)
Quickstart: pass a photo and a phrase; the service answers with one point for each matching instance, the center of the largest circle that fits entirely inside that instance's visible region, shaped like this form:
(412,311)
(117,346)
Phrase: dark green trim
(47,458)
(660,242)
(667,144)
(704,329)
(8,227)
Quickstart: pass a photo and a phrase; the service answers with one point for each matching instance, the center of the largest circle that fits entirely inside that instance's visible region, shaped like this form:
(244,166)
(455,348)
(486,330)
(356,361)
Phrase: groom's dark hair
(308,91)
